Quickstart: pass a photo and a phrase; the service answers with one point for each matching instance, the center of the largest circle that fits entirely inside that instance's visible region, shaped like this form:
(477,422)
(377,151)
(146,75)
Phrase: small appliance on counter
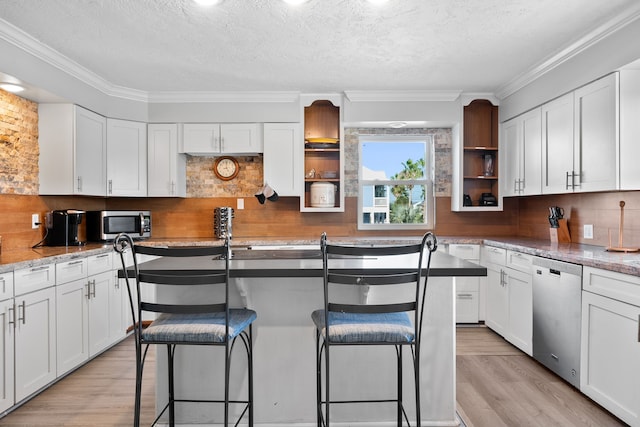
(65,228)
(106,225)
(222,222)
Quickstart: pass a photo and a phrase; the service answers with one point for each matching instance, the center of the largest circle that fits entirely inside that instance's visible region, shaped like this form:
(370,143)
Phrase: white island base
(284,363)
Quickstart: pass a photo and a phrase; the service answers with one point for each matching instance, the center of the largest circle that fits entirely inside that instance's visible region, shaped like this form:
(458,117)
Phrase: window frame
(428,182)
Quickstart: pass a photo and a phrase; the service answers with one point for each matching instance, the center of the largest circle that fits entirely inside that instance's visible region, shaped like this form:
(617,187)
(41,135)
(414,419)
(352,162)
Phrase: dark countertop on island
(587,255)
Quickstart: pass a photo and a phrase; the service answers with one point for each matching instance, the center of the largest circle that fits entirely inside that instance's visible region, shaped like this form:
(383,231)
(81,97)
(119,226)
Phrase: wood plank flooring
(497,386)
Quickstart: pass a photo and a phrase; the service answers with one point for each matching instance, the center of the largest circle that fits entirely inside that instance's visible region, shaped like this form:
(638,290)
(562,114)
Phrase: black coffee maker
(65,228)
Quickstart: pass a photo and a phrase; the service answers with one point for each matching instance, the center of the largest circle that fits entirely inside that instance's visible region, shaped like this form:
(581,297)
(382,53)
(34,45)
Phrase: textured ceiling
(320,46)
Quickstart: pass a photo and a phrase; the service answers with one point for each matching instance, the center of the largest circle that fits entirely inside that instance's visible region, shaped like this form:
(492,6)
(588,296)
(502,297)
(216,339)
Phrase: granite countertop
(588,255)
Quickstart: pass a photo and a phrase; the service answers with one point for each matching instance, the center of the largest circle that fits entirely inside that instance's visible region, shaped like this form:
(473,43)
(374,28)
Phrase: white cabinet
(629,129)
(580,142)
(281,159)
(522,150)
(557,145)
(85,311)
(509,305)
(609,369)
(126,158)
(35,341)
(166,168)
(226,138)
(467,288)
(7,321)
(595,155)
(73,144)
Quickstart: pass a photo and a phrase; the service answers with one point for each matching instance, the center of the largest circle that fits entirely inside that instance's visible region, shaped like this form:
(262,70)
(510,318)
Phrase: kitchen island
(284,290)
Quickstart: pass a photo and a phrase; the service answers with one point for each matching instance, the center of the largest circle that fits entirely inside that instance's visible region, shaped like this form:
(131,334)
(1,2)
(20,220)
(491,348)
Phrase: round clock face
(226,168)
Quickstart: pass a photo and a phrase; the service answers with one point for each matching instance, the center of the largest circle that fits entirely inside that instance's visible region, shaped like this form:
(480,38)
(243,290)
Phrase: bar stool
(348,323)
(211,323)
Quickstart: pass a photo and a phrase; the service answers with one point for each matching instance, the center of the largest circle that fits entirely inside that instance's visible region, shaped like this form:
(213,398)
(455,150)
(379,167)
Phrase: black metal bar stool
(211,323)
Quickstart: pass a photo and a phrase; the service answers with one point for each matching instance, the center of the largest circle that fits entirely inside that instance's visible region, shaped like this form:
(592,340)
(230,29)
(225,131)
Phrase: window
(395,183)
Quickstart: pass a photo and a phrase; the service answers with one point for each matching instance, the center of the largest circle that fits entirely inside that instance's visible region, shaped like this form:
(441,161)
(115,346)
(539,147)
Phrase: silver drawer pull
(44,267)
(80,261)
(12,315)
(24,312)
(102,256)
(465,296)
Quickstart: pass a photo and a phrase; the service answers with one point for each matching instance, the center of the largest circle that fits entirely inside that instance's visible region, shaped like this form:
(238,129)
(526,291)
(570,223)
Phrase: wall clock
(226,168)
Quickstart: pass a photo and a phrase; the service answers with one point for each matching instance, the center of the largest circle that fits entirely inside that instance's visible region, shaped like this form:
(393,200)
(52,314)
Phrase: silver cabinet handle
(567,185)
(79,184)
(44,267)
(24,312)
(12,315)
(465,296)
(93,288)
(638,327)
(87,292)
(110,186)
(102,256)
(80,261)
(4,285)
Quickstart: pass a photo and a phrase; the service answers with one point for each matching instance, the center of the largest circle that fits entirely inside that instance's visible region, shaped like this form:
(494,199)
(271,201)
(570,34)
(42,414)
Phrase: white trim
(214,96)
(590,39)
(402,95)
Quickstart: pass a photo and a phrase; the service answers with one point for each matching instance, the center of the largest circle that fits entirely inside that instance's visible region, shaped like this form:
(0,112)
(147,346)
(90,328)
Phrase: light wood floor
(497,386)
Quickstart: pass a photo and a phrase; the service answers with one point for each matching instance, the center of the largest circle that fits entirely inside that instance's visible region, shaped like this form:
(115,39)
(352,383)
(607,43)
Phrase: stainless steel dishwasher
(557,297)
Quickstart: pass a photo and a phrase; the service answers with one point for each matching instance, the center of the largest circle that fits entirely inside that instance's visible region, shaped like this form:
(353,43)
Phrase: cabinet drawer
(619,286)
(465,251)
(6,285)
(100,263)
(466,307)
(489,254)
(34,278)
(519,261)
(467,284)
(71,270)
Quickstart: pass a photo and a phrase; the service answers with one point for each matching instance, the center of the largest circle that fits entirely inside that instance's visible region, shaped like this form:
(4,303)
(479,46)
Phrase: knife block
(560,234)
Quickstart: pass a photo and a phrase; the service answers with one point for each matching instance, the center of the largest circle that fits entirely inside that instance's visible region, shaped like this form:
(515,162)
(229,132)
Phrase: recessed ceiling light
(11,87)
(295,2)
(397,125)
(207,2)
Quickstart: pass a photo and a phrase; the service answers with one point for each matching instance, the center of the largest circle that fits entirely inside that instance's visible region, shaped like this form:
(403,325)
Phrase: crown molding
(219,96)
(580,45)
(402,95)
(467,97)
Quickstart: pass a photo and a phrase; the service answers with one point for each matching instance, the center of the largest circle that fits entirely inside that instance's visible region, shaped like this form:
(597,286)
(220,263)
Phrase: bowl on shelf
(329,174)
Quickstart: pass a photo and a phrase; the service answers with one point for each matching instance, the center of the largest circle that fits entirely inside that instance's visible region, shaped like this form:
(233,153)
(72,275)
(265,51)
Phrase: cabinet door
(511,140)
(166,168)
(117,327)
(596,124)
(72,315)
(520,323)
(557,146)
(241,138)
(126,158)
(7,319)
(282,152)
(531,153)
(201,138)
(609,368)
(35,342)
(99,312)
(497,308)
(6,285)
(91,153)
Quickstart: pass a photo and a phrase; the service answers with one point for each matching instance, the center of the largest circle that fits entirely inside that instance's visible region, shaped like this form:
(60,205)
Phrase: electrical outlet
(35,220)
(588,231)
(240,204)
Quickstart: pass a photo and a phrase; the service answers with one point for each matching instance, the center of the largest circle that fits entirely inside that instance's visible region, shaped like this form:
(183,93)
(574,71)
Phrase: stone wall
(202,182)
(18,145)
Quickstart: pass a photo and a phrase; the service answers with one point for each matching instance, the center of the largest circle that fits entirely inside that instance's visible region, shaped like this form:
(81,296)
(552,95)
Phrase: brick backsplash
(18,145)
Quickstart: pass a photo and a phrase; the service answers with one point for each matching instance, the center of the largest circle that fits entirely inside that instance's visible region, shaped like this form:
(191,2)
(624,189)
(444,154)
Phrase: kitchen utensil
(620,247)
(323,195)
(553,221)
(556,212)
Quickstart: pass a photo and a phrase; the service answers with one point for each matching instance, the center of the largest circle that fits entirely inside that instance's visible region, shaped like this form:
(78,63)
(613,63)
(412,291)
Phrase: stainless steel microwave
(106,225)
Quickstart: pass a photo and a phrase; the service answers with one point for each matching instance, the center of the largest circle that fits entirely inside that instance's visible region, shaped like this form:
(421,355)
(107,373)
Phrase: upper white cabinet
(226,138)
(126,158)
(522,151)
(557,146)
(629,129)
(281,159)
(73,144)
(595,153)
(580,145)
(166,168)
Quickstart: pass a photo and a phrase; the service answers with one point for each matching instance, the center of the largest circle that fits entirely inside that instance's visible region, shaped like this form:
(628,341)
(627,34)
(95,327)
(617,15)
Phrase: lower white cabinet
(85,309)
(467,288)
(609,368)
(6,354)
(35,341)
(509,303)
